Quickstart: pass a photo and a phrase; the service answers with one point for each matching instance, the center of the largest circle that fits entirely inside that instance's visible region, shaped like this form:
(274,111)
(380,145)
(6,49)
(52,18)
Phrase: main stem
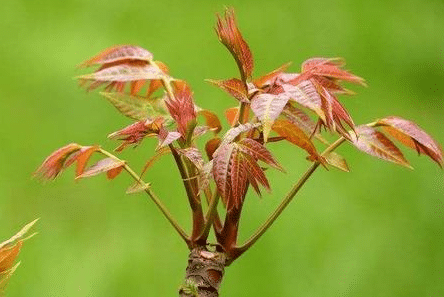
(204,273)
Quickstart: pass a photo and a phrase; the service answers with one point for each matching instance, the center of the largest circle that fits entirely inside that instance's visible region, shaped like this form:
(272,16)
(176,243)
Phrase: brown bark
(204,273)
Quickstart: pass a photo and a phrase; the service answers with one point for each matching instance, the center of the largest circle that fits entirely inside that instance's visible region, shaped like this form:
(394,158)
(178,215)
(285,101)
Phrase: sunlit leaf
(211,146)
(270,77)
(82,157)
(295,135)
(119,53)
(54,164)
(409,134)
(167,137)
(124,73)
(234,132)
(102,166)
(211,120)
(258,151)
(235,87)
(134,107)
(194,155)
(267,108)
(231,114)
(337,161)
(374,143)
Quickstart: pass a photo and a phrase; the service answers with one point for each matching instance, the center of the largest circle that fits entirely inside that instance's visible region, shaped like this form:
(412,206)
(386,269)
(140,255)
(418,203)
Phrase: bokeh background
(376,231)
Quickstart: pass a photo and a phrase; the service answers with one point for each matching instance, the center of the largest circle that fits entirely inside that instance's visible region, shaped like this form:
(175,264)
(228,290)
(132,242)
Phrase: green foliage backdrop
(377,231)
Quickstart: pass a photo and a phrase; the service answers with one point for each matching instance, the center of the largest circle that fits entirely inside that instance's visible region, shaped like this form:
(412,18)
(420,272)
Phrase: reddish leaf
(194,155)
(409,134)
(167,137)
(271,77)
(222,170)
(123,73)
(104,165)
(300,119)
(258,151)
(377,144)
(231,115)
(9,251)
(181,107)
(81,157)
(119,53)
(111,174)
(230,36)
(156,84)
(135,133)
(235,167)
(234,132)
(8,254)
(54,164)
(306,94)
(211,146)
(234,87)
(295,135)
(211,120)
(267,108)
(330,68)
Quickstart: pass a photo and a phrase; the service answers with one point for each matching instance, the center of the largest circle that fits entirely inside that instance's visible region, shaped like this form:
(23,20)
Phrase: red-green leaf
(337,161)
(267,108)
(258,151)
(194,155)
(234,132)
(135,107)
(156,84)
(54,164)
(300,119)
(330,68)
(211,146)
(9,251)
(119,53)
(231,114)
(295,135)
(222,170)
(135,133)
(211,120)
(104,165)
(167,137)
(124,73)
(374,143)
(230,36)
(235,87)
(270,77)
(306,94)
(409,134)
(82,157)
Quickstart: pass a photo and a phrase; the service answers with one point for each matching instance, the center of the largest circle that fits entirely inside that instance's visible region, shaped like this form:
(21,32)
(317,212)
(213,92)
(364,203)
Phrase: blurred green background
(377,231)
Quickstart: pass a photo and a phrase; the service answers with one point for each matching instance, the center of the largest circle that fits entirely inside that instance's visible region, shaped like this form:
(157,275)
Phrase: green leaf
(136,108)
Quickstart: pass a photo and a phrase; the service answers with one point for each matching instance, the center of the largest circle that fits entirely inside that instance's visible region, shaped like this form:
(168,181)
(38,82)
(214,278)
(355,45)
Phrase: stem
(210,216)
(153,197)
(196,207)
(270,220)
